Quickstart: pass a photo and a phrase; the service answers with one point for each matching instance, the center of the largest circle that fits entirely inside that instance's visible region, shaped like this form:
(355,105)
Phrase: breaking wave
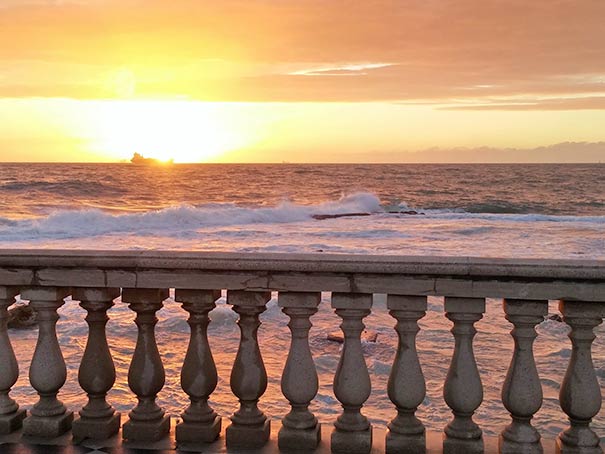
(179,218)
(186,221)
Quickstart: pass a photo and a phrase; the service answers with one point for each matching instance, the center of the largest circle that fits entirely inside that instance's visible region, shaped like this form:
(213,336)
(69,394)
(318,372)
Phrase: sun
(182,131)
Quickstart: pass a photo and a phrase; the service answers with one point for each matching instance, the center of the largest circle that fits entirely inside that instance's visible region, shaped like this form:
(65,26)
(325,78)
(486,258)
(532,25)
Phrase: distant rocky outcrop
(22,316)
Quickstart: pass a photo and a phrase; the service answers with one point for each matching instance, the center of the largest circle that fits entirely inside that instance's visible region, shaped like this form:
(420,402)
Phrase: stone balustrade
(144,279)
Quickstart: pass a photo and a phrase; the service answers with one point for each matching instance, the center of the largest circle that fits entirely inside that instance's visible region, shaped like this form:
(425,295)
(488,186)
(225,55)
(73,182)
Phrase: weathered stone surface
(464,305)
(351,300)
(352,386)
(580,283)
(146,375)
(11,276)
(453,266)
(564,448)
(580,393)
(249,426)
(357,442)
(406,386)
(451,276)
(144,295)
(47,426)
(146,430)
(299,383)
(81,277)
(99,429)
(116,445)
(248,298)
(12,421)
(463,391)
(522,390)
(11,416)
(299,299)
(198,375)
(248,436)
(406,303)
(405,444)
(305,440)
(96,374)
(198,433)
(47,373)
(460,446)
(506,446)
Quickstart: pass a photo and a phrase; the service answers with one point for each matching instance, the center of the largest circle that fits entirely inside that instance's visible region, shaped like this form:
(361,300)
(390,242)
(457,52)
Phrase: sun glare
(182,131)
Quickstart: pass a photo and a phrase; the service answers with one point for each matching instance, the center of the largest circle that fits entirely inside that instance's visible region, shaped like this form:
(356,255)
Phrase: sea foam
(178,218)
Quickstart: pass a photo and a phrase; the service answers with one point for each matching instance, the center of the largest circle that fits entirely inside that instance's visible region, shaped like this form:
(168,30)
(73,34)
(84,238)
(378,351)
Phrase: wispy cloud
(359,69)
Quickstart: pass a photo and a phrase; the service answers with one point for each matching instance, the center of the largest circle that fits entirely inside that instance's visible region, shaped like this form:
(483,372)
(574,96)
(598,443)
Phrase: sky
(303,81)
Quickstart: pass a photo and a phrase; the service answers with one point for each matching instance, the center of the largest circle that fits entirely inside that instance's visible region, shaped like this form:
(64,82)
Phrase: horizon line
(306,163)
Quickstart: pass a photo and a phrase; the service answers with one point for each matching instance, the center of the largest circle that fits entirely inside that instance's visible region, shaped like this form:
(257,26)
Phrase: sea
(514,211)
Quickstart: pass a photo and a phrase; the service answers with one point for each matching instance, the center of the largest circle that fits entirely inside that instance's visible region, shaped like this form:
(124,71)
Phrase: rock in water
(321,217)
(554,317)
(366,336)
(22,316)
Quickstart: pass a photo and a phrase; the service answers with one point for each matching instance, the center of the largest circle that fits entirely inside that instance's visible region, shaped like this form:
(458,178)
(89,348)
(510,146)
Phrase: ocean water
(550,211)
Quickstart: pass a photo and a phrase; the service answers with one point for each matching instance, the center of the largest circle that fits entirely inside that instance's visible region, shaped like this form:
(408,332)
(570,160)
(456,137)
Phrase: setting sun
(182,131)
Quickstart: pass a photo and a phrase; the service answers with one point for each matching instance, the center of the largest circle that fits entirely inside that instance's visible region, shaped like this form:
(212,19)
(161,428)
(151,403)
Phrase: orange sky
(325,80)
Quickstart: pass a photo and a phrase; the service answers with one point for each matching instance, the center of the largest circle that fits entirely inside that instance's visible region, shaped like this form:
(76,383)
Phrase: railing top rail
(433,266)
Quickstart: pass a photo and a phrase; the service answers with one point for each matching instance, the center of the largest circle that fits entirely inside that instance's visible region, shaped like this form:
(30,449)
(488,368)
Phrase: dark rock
(407,212)
(22,316)
(321,217)
(366,336)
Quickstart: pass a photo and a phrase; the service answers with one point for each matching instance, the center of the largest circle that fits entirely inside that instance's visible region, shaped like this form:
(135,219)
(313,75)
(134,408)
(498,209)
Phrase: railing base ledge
(37,427)
(11,422)
(434,443)
(100,429)
(192,433)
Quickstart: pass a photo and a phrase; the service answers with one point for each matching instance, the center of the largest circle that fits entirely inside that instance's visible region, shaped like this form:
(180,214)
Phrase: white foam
(177,219)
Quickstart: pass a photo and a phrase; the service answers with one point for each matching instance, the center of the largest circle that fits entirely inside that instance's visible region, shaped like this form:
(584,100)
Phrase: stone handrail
(143,279)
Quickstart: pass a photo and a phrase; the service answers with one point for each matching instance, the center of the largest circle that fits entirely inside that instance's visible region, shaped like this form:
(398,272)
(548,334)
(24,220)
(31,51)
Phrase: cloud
(449,51)
(359,69)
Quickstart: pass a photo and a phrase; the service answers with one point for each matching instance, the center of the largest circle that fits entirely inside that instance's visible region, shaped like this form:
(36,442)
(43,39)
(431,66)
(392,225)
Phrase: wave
(509,217)
(179,218)
(501,207)
(187,221)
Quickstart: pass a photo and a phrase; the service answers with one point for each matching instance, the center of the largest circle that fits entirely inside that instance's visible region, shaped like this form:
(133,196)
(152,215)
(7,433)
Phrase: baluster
(522,391)
(249,426)
(47,373)
(353,431)
(299,383)
(11,416)
(406,388)
(146,374)
(198,376)
(97,373)
(580,394)
(463,391)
